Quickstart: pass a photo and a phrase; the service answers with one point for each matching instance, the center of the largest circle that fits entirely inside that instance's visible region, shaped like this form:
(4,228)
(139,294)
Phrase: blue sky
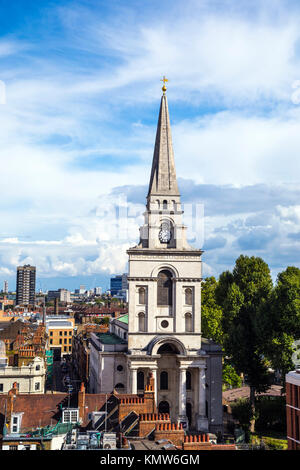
(79,92)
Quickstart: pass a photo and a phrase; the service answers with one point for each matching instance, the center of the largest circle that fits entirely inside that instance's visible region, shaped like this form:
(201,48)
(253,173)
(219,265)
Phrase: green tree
(281,322)
(242,295)
(230,377)
(211,312)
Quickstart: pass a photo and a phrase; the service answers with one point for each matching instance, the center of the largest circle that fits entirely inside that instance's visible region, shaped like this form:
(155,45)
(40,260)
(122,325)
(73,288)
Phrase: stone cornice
(163,252)
(155,279)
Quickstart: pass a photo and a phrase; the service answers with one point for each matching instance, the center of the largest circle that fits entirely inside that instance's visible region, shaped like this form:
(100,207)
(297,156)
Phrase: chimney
(81,402)
(10,401)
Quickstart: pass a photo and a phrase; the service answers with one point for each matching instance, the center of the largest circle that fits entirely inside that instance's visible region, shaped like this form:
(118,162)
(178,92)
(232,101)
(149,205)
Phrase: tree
(230,378)
(242,295)
(281,321)
(211,312)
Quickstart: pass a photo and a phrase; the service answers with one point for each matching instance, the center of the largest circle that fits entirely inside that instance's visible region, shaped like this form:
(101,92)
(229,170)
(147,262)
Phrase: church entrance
(164,407)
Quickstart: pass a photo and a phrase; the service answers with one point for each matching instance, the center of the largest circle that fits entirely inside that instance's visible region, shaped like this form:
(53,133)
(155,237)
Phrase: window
(188,296)
(65,341)
(65,348)
(164,380)
(38,367)
(70,332)
(13,447)
(140,380)
(51,341)
(188,380)
(37,386)
(164,288)
(119,385)
(165,205)
(51,333)
(70,340)
(65,333)
(142,322)
(60,333)
(15,424)
(119,368)
(60,341)
(188,322)
(70,415)
(1,387)
(142,296)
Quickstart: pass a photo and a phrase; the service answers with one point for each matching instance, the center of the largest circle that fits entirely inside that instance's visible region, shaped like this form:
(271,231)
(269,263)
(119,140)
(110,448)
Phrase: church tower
(165,273)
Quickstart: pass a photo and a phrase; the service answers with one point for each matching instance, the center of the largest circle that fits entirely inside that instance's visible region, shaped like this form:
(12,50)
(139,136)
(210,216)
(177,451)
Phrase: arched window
(140,380)
(142,322)
(188,380)
(164,288)
(188,296)
(165,205)
(188,322)
(119,385)
(164,407)
(164,380)
(142,296)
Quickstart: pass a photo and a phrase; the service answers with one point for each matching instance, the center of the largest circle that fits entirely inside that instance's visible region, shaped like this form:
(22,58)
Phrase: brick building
(293,409)
(42,421)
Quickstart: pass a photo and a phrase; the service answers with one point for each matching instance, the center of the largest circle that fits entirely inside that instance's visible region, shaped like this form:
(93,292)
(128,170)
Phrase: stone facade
(164,311)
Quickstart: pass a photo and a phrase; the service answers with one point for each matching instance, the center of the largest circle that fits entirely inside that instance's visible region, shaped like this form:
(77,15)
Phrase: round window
(120,368)
(164,324)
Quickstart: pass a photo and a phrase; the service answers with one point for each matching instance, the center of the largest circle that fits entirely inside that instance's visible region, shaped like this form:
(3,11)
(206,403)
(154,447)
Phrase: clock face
(164,235)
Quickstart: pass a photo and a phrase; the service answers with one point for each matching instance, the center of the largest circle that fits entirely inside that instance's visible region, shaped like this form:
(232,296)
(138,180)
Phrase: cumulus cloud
(77,132)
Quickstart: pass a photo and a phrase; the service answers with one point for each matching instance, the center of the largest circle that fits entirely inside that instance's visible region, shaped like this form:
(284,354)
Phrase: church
(161,335)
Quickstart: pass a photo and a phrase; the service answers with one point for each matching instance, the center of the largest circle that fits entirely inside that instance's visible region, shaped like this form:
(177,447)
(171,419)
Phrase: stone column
(202,421)
(182,418)
(154,372)
(133,373)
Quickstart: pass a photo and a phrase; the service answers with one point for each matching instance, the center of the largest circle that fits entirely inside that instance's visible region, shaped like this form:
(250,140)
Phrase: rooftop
(123,318)
(110,338)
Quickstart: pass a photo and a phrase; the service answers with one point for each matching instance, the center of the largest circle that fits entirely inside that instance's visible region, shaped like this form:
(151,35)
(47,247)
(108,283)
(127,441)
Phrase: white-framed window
(15,423)
(70,415)
(37,386)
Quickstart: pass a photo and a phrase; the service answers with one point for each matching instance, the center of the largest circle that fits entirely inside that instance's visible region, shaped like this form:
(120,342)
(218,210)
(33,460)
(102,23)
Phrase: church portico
(179,380)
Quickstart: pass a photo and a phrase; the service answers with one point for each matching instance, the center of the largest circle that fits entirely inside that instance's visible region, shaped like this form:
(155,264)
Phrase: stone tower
(164,330)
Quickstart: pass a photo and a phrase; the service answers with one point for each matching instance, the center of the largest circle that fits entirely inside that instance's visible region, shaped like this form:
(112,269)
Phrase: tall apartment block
(25,285)
(293,409)
(5,287)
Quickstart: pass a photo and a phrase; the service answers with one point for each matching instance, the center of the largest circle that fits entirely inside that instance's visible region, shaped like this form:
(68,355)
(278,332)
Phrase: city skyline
(82,95)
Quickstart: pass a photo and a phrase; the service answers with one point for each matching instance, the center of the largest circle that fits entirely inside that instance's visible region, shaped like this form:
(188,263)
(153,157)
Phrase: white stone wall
(25,376)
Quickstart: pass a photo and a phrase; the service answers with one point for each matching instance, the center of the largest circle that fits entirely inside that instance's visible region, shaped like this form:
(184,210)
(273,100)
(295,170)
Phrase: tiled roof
(45,409)
(244,392)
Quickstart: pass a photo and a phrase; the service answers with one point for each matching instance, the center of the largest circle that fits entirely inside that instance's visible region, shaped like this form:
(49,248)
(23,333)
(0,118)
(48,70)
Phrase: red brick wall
(173,432)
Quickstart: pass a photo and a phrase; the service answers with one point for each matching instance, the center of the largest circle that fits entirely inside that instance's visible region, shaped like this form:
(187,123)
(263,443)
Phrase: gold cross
(164,88)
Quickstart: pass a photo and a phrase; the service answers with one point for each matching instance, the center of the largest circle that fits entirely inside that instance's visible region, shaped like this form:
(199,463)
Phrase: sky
(79,100)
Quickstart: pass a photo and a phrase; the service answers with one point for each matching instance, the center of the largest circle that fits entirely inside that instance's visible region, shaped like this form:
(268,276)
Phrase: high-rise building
(25,285)
(115,284)
(5,287)
(98,290)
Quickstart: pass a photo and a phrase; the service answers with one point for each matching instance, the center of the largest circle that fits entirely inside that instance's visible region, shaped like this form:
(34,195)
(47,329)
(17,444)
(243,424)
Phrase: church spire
(163,180)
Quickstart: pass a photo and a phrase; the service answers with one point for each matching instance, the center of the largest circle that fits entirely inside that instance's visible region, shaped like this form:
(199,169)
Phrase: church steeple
(163,228)
(163,180)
